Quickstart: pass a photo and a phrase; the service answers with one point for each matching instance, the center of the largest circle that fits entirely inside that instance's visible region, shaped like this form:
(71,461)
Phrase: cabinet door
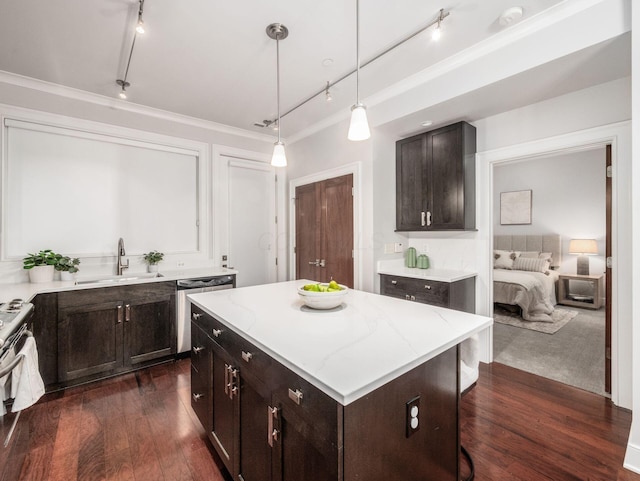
(150,330)
(254,462)
(90,339)
(201,377)
(411,176)
(225,400)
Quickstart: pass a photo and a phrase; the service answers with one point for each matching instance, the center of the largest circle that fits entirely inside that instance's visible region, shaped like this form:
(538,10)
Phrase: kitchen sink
(111,280)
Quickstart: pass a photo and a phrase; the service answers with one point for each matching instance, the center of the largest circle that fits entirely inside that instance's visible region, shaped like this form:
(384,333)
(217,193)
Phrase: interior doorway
(324,243)
(571,197)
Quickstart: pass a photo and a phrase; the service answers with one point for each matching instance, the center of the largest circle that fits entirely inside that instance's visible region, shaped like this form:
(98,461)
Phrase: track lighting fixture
(140,24)
(277,32)
(359,127)
(327,93)
(437,31)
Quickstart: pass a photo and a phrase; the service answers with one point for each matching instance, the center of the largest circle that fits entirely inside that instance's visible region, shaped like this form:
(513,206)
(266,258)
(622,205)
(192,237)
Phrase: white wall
(568,198)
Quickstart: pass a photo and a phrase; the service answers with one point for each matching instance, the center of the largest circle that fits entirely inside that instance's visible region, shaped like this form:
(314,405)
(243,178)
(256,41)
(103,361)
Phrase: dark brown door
(90,339)
(324,230)
(255,451)
(201,377)
(149,331)
(224,407)
(608,282)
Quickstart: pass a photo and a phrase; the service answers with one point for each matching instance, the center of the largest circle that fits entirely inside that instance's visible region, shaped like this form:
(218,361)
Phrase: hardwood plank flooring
(517,426)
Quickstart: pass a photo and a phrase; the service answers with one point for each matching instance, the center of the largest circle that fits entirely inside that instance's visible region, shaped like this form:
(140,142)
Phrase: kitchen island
(366,391)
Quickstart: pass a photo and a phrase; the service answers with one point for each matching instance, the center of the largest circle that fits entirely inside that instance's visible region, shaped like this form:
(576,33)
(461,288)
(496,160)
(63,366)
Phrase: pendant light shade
(359,127)
(279,158)
(277,32)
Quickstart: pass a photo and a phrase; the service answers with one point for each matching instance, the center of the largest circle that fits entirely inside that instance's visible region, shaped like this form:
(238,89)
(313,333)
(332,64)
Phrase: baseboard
(632,458)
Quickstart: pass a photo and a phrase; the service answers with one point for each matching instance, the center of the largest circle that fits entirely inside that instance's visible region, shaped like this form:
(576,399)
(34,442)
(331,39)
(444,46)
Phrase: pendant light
(359,127)
(277,32)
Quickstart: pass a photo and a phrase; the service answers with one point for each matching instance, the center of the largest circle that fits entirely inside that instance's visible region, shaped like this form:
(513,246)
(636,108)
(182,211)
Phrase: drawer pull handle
(127,313)
(395,283)
(427,287)
(197,396)
(216,332)
(196,316)
(197,349)
(423,221)
(406,296)
(119,314)
(246,356)
(295,396)
(272,433)
(412,298)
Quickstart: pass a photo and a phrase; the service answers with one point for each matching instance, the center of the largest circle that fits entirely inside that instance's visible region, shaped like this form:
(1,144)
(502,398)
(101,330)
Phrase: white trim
(352,168)
(126,106)
(632,458)
(619,136)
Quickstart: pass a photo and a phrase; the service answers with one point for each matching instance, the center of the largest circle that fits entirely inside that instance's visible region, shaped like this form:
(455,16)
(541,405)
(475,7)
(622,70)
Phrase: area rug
(560,318)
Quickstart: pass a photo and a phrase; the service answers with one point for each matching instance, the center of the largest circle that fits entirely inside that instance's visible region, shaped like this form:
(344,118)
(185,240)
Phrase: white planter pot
(41,274)
(153,267)
(66,276)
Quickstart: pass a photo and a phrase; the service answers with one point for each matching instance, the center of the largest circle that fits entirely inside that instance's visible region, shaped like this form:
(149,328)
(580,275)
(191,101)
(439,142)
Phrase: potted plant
(41,265)
(152,259)
(67,267)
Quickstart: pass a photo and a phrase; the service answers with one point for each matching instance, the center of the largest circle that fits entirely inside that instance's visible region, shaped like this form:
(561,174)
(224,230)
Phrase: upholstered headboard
(541,243)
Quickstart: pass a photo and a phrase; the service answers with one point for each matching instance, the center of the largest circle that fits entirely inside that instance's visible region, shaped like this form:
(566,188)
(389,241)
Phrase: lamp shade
(359,127)
(279,158)
(583,246)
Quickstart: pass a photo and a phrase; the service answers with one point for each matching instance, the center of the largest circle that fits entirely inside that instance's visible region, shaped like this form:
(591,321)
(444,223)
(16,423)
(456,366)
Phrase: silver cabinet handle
(427,287)
(216,332)
(412,298)
(119,314)
(246,356)
(127,313)
(272,433)
(196,396)
(295,396)
(196,316)
(428,218)
(322,263)
(395,283)
(423,222)
(315,263)
(198,349)
(406,296)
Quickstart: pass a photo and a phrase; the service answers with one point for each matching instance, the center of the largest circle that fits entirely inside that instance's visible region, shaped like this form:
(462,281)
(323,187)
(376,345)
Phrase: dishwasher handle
(217,281)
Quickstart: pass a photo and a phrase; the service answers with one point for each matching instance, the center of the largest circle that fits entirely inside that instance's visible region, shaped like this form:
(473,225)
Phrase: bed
(525,274)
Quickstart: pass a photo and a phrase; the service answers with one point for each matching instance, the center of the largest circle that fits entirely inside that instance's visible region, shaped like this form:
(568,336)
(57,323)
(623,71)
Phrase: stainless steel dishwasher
(183,306)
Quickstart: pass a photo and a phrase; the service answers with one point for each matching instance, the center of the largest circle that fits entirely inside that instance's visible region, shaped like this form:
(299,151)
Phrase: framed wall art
(515,207)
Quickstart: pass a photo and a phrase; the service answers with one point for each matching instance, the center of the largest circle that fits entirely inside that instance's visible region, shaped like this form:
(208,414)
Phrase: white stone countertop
(397,268)
(346,352)
(27,291)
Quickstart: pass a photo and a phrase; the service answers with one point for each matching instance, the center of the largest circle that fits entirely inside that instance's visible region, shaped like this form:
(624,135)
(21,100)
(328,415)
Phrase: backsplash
(455,254)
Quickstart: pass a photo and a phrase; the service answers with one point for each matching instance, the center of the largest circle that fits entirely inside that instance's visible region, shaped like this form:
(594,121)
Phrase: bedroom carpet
(560,318)
(574,355)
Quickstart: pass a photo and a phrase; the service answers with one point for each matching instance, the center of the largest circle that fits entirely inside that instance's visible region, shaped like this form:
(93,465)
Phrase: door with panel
(149,329)
(225,402)
(324,230)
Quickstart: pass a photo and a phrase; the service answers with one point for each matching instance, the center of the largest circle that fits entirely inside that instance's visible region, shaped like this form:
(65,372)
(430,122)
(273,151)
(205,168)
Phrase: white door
(252,221)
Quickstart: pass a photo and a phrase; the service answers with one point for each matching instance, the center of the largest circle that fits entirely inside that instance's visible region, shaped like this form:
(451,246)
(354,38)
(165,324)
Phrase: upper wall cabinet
(435,180)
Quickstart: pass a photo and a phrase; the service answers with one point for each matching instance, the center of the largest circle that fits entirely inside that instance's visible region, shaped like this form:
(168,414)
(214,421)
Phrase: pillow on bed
(504,259)
(538,255)
(531,265)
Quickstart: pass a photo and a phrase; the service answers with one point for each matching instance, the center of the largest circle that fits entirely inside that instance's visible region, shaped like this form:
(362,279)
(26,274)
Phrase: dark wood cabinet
(435,180)
(201,377)
(111,330)
(459,295)
(279,427)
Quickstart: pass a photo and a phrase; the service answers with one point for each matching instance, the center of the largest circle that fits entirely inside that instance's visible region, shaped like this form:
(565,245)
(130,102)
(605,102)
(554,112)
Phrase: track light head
(140,26)
(327,93)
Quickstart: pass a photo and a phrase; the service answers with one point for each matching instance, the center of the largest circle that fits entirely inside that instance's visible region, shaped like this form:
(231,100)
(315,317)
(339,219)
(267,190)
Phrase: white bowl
(323,300)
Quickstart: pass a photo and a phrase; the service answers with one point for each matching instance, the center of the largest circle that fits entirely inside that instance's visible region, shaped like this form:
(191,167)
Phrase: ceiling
(213,60)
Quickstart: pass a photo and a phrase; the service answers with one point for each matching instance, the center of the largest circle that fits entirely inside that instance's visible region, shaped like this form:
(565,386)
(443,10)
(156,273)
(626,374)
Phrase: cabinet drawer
(395,286)
(314,407)
(200,350)
(201,398)
(431,292)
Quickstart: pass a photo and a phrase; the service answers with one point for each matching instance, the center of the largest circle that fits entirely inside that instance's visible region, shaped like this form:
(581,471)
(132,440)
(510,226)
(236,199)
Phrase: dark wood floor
(140,427)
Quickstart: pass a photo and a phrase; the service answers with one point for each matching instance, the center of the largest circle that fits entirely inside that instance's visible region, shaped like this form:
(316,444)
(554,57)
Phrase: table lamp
(583,248)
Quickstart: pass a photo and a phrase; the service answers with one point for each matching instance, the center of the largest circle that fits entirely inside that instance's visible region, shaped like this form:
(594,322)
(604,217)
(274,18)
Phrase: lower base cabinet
(459,295)
(269,424)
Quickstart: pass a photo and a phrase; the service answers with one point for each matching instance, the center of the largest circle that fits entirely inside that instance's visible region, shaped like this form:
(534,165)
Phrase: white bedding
(534,292)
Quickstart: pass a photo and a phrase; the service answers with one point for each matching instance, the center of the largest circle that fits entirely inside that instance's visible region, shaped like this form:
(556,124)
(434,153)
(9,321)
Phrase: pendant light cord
(278,79)
(357,52)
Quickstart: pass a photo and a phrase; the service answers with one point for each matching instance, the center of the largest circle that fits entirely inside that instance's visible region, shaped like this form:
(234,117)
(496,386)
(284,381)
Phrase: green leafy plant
(67,264)
(153,257)
(43,258)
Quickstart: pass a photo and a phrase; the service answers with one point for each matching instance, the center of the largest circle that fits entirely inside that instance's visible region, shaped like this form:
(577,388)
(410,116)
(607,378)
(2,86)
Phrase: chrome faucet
(120,267)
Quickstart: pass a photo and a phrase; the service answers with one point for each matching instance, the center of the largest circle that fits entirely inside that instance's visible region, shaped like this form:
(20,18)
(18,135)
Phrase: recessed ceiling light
(327,62)
(510,15)
(427,123)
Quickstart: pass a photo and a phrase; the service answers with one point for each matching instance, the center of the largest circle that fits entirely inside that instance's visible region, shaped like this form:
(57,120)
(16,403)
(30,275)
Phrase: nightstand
(591,300)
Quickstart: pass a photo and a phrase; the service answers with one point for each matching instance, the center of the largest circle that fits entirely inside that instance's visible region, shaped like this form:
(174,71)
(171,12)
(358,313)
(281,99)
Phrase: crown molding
(125,106)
